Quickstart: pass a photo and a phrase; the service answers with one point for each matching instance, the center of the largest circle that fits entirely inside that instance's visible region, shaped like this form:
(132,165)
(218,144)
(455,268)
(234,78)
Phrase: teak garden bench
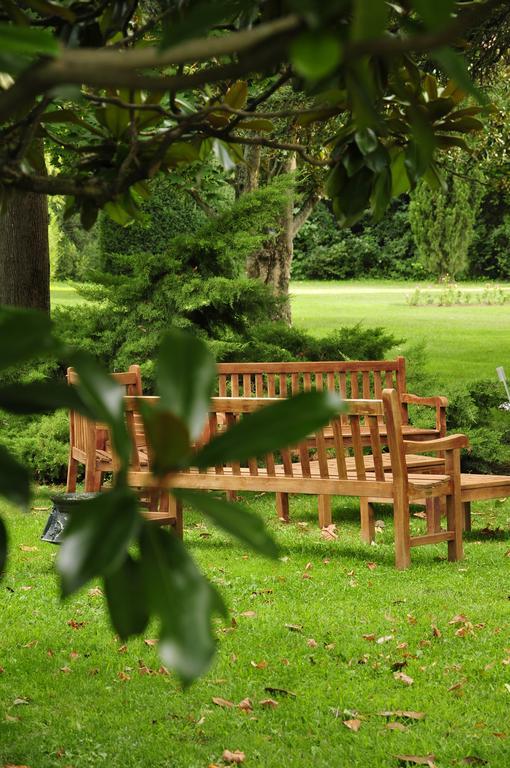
(89,442)
(313,470)
(351,379)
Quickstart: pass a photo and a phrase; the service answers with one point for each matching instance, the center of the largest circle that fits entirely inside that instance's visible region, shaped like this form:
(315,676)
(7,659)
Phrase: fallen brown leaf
(294,627)
(396,726)
(403,678)
(233,757)
(353,725)
(122,649)
(248,614)
(371,566)
(384,639)
(150,642)
(31,644)
(246,705)
(95,592)
(329,532)
(65,669)
(123,676)
(76,624)
(26,588)
(436,632)
(20,701)
(74,655)
(408,714)
(268,703)
(222,702)
(163,670)
(417,760)
(370,637)
(457,685)
(458,619)
(16,719)
(26,548)
(311,643)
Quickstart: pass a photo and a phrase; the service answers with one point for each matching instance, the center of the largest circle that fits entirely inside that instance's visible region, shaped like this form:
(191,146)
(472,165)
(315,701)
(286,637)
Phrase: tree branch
(208,209)
(305,211)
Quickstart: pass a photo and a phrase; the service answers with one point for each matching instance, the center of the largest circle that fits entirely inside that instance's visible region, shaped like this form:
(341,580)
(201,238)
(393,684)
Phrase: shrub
(40,443)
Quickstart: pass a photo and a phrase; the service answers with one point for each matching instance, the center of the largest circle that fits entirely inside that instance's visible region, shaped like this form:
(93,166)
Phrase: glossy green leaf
(127,598)
(400,182)
(369,18)
(24,334)
(354,196)
(168,438)
(455,65)
(3,547)
(258,124)
(183,599)
(97,537)
(466,124)
(186,376)
(381,194)
(315,54)
(336,179)
(234,518)
(40,397)
(274,426)
(27,41)
(447,142)
(237,95)
(14,479)
(352,161)
(435,13)
(367,140)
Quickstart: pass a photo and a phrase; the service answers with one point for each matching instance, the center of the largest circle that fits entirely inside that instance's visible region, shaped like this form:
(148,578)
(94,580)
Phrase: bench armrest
(438,402)
(449,443)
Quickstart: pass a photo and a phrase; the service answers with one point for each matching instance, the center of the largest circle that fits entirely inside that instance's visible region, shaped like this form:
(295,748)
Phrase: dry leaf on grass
(233,757)
(30,644)
(370,637)
(279,691)
(329,532)
(12,719)
(353,725)
(248,614)
(65,669)
(259,664)
(25,548)
(122,649)
(457,685)
(245,705)
(403,678)
(95,592)
(458,619)
(418,760)
(436,632)
(396,726)
(123,676)
(76,624)
(311,643)
(26,588)
(11,765)
(150,641)
(294,627)
(371,566)
(408,714)
(222,702)
(74,655)
(268,703)
(384,639)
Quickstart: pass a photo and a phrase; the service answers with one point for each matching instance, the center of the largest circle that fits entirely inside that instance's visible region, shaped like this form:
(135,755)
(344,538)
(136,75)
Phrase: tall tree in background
(442,222)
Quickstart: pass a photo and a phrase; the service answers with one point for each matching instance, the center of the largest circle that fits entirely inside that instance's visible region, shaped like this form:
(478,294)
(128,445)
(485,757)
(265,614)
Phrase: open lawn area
(324,632)
(462,342)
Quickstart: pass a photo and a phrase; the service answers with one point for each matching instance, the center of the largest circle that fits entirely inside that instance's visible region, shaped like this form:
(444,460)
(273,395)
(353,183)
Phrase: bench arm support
(437,401)
(450,443)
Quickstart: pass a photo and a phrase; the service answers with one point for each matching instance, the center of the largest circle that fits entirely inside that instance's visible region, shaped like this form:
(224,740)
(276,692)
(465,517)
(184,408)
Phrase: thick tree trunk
(24,252)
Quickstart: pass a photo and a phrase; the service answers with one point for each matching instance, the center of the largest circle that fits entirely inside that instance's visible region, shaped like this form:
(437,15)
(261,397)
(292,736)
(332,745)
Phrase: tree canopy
(123,91)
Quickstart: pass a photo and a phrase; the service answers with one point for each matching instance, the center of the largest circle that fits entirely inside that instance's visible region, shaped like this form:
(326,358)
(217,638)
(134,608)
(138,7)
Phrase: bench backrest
(81,429)
(309,463)
(352,379)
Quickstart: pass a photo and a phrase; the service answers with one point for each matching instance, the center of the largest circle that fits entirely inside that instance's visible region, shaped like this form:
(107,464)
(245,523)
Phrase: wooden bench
(89,442)
(351,379)
(322,470)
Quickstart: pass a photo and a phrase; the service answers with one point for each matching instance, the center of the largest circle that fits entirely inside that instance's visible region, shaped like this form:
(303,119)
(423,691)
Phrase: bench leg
(231,495)
(433,508)
(367,521)
(175,510)
(72,474)
(402,532)
(467,515)
(282,507)
(325,518)
(454,510)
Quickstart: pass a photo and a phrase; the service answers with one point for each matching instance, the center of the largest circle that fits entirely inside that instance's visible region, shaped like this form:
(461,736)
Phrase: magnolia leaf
(315,54)
(27,41)
(127,598)
(97,537)
(234,518)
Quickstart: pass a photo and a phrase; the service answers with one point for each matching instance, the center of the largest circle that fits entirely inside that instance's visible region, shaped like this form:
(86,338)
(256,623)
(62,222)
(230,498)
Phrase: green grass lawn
(462,342)
(72,696)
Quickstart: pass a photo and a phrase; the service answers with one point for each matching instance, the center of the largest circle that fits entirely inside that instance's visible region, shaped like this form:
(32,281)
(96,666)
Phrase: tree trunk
(272,264)
(24,252)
